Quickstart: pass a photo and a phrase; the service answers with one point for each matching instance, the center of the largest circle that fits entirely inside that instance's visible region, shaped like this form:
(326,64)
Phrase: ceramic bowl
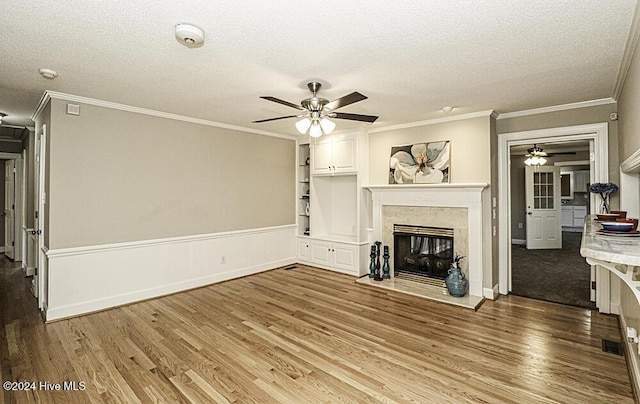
(609,217)
(633,222)
(617,226)
(620,213)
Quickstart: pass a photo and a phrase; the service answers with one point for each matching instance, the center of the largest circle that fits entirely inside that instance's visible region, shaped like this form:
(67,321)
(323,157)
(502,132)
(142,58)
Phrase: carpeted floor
(560,276)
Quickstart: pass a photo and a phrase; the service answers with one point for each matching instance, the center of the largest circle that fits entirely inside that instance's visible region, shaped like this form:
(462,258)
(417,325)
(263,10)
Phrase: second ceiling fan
(316,111)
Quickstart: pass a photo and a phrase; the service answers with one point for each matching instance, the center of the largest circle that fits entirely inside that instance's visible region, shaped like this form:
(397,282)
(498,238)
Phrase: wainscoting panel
(88,279)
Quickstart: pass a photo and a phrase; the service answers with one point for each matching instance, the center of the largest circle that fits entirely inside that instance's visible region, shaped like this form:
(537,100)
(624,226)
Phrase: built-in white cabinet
(336,236)
(579,213)
(566,216)
(335,154)
(338,256)
(573,216)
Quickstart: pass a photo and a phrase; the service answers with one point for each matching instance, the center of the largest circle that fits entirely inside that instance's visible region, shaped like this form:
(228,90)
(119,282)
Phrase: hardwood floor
(307,335)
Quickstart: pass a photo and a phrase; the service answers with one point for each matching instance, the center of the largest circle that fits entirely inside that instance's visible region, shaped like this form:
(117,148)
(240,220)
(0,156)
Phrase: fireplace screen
(420,250)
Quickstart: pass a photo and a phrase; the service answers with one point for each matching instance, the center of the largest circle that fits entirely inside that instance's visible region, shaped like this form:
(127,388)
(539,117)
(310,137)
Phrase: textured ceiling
(409,57)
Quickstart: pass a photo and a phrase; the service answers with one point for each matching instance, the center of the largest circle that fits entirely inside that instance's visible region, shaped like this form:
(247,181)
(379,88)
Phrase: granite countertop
(615,249)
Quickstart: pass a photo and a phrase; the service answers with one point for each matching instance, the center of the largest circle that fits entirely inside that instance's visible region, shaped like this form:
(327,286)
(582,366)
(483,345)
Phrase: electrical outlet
(520,225)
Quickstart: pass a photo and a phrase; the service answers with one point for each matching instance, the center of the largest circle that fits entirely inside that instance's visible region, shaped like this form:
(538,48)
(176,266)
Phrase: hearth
(422,250)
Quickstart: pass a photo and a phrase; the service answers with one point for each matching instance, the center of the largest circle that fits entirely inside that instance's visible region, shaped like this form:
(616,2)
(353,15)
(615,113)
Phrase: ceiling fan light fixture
(303,125)
(535,161)
(327,125)
(315,130)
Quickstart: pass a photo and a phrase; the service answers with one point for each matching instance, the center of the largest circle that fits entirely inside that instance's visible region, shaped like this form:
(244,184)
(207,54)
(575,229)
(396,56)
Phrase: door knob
(529,213)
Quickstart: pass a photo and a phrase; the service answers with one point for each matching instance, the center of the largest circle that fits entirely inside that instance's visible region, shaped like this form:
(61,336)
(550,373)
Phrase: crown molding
(556,108)
(433,121)
(632,163)
(629,51)
(49,95)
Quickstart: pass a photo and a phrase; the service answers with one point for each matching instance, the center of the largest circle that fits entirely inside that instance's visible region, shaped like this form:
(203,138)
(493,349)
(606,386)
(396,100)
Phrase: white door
(544,224)
(9,207)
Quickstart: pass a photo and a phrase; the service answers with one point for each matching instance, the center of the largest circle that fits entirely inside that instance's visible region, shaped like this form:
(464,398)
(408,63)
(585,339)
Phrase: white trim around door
(597,133)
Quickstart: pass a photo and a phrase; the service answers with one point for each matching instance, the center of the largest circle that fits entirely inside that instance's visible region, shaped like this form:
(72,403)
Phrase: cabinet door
(344,154)
(321,157)
(579,212)
(344,256)
(303,250)
(581,181)
(567,216)
(321,252)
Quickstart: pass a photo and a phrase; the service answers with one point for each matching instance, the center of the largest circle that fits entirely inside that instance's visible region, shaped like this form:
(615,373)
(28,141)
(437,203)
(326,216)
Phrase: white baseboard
(491,293)
(29,271)
(632,358)
(518,241)
(89,279)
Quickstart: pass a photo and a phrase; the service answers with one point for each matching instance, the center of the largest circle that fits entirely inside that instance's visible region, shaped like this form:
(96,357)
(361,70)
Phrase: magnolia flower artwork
(421,163)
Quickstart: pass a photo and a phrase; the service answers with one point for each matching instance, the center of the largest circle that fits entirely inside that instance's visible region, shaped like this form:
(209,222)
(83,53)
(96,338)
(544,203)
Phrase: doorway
(12,206)
(547,217)
(596,135)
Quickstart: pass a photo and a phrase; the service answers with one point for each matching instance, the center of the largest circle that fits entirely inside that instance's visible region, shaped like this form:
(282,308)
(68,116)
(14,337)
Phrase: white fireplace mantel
(473,196)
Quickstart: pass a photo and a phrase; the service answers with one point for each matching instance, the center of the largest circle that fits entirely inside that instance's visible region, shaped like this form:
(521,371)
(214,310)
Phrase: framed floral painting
(420,163)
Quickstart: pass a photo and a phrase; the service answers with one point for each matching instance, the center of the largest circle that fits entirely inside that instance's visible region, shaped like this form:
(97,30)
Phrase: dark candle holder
(385,267)
(372,264)
(377,276)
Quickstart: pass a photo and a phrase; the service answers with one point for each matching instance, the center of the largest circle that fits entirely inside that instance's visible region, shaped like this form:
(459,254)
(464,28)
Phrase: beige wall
(629,124)
(629,102)
(470,148)
(117,176)
(473,158)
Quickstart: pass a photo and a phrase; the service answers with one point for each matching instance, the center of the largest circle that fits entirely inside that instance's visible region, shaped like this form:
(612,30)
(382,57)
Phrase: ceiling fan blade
(283,102)
(275,119)
(559,153)
(355,117)
(346,100)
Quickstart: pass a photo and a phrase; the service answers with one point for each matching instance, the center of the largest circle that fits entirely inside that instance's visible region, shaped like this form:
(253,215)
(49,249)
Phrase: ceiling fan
(316,111)
(537,157)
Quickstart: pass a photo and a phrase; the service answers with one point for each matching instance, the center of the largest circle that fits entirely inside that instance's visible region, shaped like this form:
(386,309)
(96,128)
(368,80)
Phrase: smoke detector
(48,73)
(189,35)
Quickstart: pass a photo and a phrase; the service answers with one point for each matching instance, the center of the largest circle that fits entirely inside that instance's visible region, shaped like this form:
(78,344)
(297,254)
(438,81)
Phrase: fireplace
(422,250)
(464,207)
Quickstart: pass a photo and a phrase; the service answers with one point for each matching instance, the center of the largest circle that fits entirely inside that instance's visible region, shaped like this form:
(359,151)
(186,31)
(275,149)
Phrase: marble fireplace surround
(462,207)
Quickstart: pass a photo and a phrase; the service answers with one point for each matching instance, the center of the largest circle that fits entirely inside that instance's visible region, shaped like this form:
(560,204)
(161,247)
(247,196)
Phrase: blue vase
(456,282)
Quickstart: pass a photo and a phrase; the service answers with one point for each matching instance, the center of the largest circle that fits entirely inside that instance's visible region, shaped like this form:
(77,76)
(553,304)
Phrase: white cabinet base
(344,257)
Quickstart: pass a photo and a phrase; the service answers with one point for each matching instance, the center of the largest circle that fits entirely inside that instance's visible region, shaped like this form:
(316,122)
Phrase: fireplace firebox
(421,250)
